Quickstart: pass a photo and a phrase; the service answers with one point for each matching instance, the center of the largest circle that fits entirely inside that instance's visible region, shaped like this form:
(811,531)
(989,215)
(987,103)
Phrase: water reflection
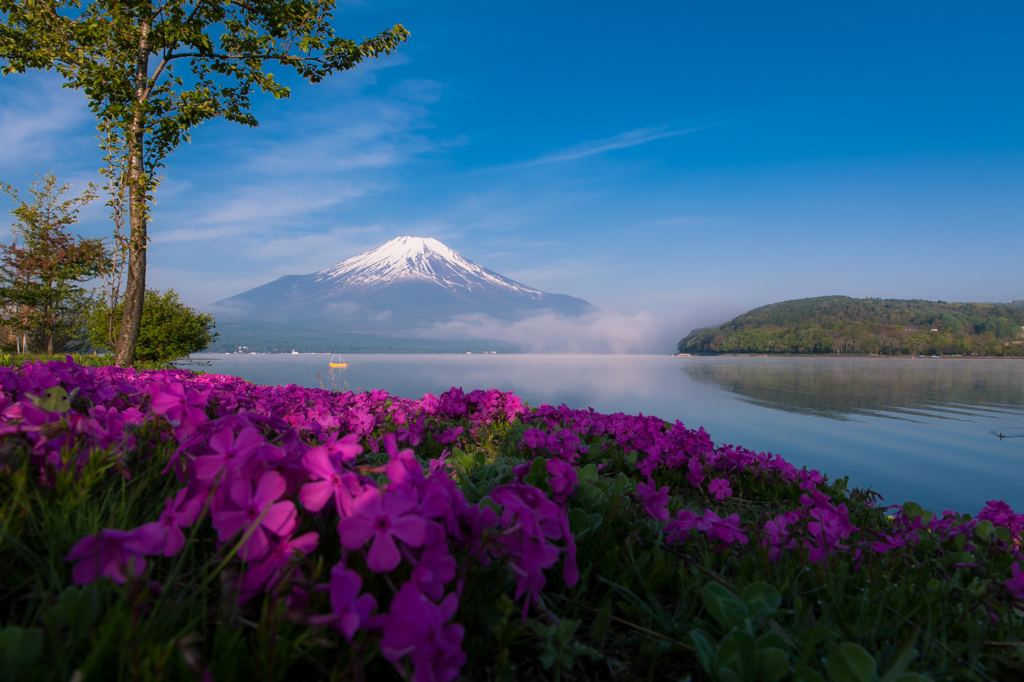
(843,389)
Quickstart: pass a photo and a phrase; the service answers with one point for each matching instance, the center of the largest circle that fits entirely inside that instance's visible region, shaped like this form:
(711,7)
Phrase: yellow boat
(337,361)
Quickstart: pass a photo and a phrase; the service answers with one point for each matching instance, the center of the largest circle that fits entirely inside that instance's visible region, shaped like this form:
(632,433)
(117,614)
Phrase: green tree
(170,329)
(154,69)
(43,265)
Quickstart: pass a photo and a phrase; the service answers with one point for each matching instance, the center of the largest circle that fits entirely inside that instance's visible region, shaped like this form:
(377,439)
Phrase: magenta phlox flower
(231,452)
(679,528)
(1016,584)
(346,448)
(696,473)
(430,403)
(530,520)
(180,406)
(436,566)
(415,628)
(179,513)
(450,435)
(894,541)
(382,518)
(777,536)
(727,531)
(351,610)
(809,480)
(653,499)
(332,479)
(361,423)
(563,479)
(412,434)
(719,487)
(535,438)
(262,572)
(114,554)
(256,514)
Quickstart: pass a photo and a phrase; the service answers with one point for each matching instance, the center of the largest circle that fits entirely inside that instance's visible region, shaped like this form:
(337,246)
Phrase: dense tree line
(843,325)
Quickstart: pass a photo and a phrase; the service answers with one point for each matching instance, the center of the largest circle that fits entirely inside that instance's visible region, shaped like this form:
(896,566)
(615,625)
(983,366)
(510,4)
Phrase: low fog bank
(598,333)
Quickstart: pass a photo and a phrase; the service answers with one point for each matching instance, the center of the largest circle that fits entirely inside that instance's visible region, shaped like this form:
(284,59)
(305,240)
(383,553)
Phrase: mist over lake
(913,429)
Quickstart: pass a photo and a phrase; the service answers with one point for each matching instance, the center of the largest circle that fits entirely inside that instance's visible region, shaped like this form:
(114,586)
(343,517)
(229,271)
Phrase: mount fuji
(406,284)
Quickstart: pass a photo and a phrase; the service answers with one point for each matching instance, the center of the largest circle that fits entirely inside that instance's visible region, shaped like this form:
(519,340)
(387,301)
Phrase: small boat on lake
(337,362)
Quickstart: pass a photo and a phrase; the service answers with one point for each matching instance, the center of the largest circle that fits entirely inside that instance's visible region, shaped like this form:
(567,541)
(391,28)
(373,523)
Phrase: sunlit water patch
(912,429)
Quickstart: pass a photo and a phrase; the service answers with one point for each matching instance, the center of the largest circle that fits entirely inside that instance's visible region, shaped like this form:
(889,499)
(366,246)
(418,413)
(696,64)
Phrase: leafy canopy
(170,329)
(209,57)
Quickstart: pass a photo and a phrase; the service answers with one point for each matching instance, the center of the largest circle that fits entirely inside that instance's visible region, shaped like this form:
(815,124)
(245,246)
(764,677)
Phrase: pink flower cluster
(259,462)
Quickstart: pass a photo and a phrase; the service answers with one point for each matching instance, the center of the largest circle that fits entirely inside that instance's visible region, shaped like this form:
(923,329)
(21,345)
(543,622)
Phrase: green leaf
(588,473)
(19,649)
(772,664)
(724,606)
(772,640)
(806,675)
(1003,534)
(914,677)
(895,671)
(738,653)
(983,531)
(851,662)
(706,650)
(762,599)
(728,675)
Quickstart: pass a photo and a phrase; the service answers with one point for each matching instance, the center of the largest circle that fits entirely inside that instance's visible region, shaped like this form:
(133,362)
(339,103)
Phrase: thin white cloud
(31,117)
(630,138)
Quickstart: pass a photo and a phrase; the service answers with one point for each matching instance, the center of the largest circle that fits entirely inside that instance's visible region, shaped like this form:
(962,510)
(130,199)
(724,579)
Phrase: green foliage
(170,329)
(839,324)
(42,267)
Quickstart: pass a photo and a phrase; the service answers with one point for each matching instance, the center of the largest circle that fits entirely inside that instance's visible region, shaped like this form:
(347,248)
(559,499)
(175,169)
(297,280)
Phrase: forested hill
(840,324)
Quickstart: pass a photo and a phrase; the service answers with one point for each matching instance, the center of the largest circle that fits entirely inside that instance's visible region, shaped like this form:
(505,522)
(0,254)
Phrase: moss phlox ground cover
(397,524)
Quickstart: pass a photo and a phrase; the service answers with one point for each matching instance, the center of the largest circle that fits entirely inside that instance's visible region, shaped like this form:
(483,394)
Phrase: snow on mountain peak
(416,258)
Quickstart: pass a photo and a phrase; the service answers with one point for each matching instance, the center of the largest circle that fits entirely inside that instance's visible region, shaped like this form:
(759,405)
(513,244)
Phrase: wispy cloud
(630,138)
(595,333)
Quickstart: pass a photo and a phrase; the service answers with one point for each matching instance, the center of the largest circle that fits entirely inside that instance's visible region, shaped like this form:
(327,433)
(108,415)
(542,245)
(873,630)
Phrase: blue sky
(677,163)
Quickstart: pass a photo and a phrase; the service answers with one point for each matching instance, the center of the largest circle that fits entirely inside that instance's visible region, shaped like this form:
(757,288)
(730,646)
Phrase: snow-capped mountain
(405,284)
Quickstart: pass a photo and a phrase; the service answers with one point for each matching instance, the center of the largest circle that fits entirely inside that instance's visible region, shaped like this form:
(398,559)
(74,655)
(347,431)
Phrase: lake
(916,429)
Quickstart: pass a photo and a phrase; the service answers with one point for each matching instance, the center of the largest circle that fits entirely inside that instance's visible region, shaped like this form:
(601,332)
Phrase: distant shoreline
(847,355)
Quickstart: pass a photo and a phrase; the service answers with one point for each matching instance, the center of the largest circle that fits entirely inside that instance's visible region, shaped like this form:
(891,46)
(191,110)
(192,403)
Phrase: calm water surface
(912,429)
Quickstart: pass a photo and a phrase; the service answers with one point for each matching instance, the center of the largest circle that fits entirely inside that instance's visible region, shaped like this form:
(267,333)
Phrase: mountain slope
(840,324)
(408,283)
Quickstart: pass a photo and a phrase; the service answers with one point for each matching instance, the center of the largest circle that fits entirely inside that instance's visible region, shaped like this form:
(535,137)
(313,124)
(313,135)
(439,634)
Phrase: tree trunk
(135,286)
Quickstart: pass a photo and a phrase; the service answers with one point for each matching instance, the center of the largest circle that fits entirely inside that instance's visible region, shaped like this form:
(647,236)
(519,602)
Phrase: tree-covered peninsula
(867,326)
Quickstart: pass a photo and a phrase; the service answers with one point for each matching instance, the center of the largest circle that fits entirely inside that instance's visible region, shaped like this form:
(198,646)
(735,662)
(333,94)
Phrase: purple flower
(809,480)
(256,514)
(416,629)
(719,487)
(726,531)
(232,452)
(1016,583)
(114,554)
(334,480)
(450,435)
(679,528)
(563,479)
(178,514)
(654,503)
(382,518)
(351,609)
(281,552)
